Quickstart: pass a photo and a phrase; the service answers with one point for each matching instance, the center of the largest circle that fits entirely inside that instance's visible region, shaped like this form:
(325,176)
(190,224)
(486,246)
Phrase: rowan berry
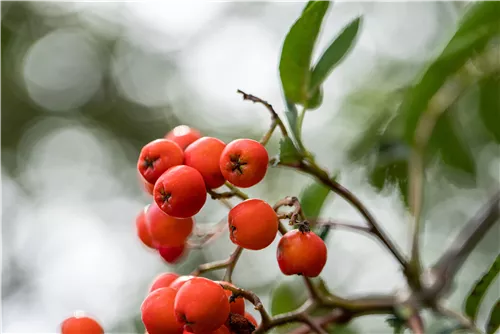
(301,253)
(166,230)
(238,304)
(251,319)
(157,312)
(180,192)
(172,254)
(163,281)
(183,135)
(179,282)
(253,224)
(158,156)
(204,155)
(81,324)
(202,305)
(220,330)
(244,162)
(142,228)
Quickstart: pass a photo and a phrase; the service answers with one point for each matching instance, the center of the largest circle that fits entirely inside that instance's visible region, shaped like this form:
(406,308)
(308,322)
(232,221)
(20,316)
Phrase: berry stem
(294,215)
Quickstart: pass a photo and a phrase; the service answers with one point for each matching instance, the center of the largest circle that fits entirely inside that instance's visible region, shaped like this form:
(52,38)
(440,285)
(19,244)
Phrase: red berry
(220,330)
(81,325)
(238,305)
(251,319)
(202,305)
(163,281)
(253,224)
(166,230)
(301,253)
(142,228)
(204,155)
(244,162)
(183,135)
(157,157)
(157,312)
(179,282)
(180,192)
(172,254)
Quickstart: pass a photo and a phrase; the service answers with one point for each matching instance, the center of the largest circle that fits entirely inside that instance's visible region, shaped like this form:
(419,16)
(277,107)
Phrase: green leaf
(494,319)
(489,108)
(398,325)
(316,100)
(296,54)
(475,30)
(479,290)
(288,295)
(288,152)
(453,149)
(312,199)
(334,54)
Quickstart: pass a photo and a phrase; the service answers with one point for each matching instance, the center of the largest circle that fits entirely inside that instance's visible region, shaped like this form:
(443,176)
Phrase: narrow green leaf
(291,114)
(288,152)
(494,319)
(452,147)
(334,54)
(295,62)
(489,108)
(479,290)
(316,99)
(476,28)
(312,199)
(288,295)
(309,3)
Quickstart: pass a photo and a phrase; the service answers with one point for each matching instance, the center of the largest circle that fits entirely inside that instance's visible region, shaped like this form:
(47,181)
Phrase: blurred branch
(464,321)
(337,224)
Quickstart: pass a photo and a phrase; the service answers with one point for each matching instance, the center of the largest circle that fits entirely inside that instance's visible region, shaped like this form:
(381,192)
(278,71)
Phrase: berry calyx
(142,228)
(183,135)
(202,305)
(165,230)
(158,156)
(301,253)
(253,224)
(163,281)
(244,162)
(81,324)
(204,155)
(172,254)
(180,192)
(157,312)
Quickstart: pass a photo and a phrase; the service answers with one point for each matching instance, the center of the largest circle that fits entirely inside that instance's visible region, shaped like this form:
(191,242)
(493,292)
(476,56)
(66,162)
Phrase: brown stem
(291,201)
(237,192)
(233,259)
(337,224)
(269,133)
(228,264)
(252,298)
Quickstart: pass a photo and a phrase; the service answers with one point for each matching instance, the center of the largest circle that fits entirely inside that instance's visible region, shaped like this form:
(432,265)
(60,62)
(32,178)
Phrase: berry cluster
(179,171)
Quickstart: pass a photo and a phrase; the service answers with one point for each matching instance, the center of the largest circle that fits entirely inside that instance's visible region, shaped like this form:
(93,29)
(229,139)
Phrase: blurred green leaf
(296,54)
(493,322)
(398,325)
(475,30)
(334,54)
(288,295)
(288,152)
(489,108)
(453,149)
(316,100)
(477,293)
(312,199)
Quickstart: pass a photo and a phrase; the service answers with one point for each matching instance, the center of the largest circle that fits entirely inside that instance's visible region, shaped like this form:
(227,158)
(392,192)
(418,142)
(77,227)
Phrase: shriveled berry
(166,230)
(180,192)
(158,156)
(157,312)
(244,162)
(202,305)
(183,135)
(301,253)
(81,324)
(204,156)
(253,224)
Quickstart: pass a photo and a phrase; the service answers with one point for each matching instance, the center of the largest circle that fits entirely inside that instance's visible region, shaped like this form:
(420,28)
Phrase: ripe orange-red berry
(163,281)
(158,156)
(180,192)
(301,253)
(81,325)
(172,254)
(183,135)
(142,228)
(166,230)
(244,162)
(253,224)
(251,319)
(220,330)
(238,305)
(202,305)
(204,155)
(157,312)
(179,282)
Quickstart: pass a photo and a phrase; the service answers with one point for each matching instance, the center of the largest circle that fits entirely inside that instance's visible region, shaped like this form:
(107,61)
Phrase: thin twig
(337,224)
(269,133)
(233,259)
(237,192)
(307,319)
(464,321)
(291,201)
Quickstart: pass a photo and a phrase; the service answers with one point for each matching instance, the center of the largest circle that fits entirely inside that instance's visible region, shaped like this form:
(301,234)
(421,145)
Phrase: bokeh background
(85,85)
